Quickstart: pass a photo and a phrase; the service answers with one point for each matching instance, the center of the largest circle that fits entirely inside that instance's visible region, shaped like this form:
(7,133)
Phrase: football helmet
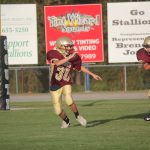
(65,44)
(146,43)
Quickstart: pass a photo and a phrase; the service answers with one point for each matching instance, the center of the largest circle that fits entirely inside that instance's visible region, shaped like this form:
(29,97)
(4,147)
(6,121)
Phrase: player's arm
(95,76)
(146,66)
(62,61)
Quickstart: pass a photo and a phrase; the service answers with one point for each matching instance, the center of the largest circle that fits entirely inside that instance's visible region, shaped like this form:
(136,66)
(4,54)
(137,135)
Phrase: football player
(63,60)
(143,56)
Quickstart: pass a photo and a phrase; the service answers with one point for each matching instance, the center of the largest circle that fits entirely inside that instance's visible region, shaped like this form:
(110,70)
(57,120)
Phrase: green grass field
(112,125)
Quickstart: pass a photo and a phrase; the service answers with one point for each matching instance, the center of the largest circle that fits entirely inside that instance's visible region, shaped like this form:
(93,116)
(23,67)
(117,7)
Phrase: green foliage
(135,78)
(110,76)
(114,78)
(30,81)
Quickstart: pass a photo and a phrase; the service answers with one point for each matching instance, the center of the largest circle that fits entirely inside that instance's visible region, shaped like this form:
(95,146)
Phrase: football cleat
(82,121)
(147,118)
(65,125)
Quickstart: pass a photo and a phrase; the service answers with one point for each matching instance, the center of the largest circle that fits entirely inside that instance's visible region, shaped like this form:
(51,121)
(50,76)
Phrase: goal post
(4,74)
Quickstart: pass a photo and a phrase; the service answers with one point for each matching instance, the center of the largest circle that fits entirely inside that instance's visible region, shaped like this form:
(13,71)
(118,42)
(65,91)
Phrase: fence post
(87,80)
(125,78)
(16,72)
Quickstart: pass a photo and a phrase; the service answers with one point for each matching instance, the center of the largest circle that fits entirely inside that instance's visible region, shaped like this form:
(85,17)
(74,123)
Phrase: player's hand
(97,77)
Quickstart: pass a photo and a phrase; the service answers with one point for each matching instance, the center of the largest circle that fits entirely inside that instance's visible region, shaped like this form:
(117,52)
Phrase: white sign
(18,23)
(128,25)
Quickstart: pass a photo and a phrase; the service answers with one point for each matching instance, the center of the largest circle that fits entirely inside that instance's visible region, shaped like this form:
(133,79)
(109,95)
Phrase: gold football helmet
(64,44)
(146,43)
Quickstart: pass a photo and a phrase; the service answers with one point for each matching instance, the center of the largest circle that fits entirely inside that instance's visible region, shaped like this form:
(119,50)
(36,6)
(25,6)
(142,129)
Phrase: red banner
(80,24)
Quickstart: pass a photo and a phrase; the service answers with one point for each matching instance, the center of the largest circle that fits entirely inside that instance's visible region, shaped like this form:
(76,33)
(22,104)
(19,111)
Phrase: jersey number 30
(63,73)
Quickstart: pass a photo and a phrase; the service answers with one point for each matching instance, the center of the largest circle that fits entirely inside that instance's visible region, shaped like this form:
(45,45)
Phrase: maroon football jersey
(143,55)
(61,75)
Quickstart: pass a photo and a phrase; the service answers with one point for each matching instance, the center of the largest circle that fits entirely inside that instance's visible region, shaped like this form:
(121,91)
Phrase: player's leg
(147,117)
(66,121)
(67,92)
(149,93)
(57,104)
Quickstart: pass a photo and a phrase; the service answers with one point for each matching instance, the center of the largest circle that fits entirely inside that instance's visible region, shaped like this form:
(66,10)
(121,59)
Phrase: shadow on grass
(99,122)
(92,103)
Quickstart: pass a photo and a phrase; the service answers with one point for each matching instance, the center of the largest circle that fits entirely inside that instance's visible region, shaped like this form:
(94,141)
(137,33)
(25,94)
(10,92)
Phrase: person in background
(63,60)
(143,56)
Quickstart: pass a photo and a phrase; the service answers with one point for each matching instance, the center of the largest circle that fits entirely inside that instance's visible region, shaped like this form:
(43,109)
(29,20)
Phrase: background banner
(19,24)
(128,25)
(83,26)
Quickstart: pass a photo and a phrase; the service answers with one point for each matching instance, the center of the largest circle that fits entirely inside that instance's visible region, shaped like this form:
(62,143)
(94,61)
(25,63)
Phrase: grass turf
(112,125)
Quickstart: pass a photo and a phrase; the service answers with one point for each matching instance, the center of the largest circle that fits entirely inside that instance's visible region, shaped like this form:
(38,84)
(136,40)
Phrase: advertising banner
(84,27)
(128,25)
(19,25)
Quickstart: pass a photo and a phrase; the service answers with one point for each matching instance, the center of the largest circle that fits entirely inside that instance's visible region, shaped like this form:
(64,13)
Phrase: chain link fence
(121,77)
